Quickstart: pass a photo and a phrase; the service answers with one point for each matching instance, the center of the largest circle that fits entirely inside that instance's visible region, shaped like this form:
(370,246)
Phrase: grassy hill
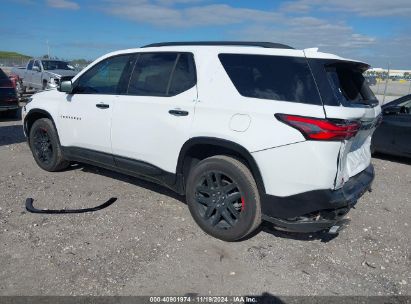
(4,54)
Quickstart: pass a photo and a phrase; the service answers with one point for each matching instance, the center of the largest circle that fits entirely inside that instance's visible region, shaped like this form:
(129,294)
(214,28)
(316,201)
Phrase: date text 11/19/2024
(203,299)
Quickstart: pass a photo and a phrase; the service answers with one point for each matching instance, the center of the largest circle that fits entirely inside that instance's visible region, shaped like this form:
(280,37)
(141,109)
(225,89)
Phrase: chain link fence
(389,85)
(13,61)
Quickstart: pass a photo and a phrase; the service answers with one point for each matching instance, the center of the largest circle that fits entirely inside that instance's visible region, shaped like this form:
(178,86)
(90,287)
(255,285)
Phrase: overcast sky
(376,31)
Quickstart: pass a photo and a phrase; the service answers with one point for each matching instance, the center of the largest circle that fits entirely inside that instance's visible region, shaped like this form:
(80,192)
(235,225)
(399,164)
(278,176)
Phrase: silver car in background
(42,74)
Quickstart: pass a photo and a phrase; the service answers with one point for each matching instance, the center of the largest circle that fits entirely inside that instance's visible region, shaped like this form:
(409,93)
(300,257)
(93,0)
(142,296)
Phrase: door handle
(178,112)
(102,106)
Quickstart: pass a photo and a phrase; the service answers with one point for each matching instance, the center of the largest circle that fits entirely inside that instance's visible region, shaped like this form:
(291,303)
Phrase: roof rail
(223,43)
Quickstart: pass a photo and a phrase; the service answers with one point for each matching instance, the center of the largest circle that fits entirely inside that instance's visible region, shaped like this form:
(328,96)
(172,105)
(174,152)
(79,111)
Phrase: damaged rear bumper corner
(319,209)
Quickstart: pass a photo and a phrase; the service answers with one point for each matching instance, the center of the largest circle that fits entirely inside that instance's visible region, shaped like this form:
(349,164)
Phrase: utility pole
(378,85)
(48,49)
(386,83)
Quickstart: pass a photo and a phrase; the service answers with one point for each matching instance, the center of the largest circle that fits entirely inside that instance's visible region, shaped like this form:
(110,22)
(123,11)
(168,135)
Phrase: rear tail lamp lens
(321,129)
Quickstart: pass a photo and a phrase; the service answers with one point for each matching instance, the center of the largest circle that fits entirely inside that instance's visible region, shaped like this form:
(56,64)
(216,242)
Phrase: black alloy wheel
(45,146)
(219,200)
(223,198)
(42,146)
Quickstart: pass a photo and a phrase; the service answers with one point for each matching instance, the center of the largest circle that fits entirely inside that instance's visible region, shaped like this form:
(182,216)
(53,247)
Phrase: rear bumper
(318,209)
(9,107)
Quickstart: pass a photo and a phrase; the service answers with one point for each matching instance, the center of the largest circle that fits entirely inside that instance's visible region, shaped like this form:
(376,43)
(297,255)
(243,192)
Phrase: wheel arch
(32,116)
(198,148)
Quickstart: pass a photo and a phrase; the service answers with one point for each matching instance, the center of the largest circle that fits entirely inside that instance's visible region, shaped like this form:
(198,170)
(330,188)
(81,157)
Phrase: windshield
(349,84)
(55,65)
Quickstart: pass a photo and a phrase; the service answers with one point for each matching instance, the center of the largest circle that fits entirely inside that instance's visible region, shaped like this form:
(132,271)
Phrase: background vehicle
(393,136)
(8,97)
(247,131)
(41,74)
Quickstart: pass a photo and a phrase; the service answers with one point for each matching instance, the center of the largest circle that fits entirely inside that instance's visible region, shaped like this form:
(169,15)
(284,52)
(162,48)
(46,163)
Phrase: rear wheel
(223,198)
(45,146)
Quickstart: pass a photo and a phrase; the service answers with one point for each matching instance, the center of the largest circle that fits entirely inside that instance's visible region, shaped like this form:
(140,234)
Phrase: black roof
(271,45)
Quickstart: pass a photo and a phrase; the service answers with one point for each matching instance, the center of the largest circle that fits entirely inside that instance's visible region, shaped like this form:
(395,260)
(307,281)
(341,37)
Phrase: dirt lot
(146,242)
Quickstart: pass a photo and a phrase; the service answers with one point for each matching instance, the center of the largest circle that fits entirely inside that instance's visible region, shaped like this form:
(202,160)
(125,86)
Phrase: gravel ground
(147,243)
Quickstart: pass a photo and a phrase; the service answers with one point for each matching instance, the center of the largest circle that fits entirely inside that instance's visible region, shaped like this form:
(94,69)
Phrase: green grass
(4,54)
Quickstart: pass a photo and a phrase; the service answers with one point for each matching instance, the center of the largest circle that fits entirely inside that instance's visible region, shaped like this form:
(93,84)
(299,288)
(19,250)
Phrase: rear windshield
(271,77)
(7,93)
(3,75)
(349,85)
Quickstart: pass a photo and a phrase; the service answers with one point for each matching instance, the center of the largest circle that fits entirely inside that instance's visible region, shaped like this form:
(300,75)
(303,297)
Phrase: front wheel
(45,146)
(223,199)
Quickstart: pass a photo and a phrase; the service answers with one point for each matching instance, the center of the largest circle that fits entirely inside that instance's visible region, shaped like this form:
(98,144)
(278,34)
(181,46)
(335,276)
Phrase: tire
(223,198)
(44,86)
(45,146)
(373,149)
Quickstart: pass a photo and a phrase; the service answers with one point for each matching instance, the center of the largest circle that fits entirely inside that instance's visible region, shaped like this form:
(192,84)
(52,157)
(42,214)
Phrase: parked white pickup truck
(41,74)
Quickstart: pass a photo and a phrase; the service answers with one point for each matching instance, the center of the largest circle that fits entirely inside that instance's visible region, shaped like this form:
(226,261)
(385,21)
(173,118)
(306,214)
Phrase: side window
(184,76)
(151,74)
(37,64)
(105,77)
(272,77)
(30,65)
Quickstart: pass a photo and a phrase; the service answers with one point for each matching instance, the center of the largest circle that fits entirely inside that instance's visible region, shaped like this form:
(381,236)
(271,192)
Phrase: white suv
(247,131)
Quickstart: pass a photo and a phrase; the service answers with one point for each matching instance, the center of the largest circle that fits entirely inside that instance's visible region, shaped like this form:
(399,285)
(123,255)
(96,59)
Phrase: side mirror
(36,68)
(66,86)
(394,110)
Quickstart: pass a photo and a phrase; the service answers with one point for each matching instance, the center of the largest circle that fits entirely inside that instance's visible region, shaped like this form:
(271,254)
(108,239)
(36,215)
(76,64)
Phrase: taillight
(321,129)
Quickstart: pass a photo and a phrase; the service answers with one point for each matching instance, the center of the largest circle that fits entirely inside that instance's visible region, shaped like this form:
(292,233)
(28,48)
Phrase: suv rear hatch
(8,97)
(347,96)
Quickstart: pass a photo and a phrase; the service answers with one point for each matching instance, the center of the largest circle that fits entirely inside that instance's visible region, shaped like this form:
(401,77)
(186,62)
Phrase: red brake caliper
(242,203)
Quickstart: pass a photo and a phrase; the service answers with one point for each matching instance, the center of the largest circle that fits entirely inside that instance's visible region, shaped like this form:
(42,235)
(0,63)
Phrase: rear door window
(37,64)
(162,74)
(152,74)
(184,76)
(349,85)
(30,65)
(272,77)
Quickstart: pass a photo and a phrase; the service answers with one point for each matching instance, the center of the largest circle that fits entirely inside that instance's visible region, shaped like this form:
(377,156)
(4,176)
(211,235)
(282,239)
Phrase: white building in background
(392,72)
